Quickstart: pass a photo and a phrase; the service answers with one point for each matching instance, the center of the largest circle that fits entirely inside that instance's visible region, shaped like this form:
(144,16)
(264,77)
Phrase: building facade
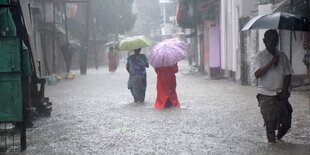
(223,50)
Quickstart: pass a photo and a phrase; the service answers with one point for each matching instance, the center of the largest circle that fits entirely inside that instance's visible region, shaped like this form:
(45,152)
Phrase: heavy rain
(154,77)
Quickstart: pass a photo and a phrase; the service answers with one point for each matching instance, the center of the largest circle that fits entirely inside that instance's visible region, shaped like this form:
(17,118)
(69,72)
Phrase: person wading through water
(273,72)
(136,64)
(112,60)
(166,87)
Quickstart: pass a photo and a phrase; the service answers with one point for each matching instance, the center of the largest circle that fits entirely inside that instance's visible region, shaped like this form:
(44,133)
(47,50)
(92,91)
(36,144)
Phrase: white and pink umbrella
(168,52)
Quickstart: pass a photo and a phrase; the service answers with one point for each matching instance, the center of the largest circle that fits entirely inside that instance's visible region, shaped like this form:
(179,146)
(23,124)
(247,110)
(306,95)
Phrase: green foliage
(114,16)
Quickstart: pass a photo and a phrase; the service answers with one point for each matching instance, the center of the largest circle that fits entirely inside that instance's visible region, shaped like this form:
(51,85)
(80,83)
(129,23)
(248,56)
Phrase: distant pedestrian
(112,60)
(166,85)
(136,64)
(273,71)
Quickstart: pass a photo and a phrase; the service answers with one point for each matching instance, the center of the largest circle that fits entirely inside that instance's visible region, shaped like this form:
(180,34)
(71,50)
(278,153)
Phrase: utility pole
(95,41)
(85,42)
(66,21)
(53,40)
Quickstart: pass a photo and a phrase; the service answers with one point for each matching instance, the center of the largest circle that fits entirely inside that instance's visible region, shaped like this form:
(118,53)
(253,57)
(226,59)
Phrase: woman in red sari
(166,85)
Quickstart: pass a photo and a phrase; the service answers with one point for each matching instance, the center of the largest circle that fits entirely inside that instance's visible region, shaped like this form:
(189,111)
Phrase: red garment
(166,85)
(112,61)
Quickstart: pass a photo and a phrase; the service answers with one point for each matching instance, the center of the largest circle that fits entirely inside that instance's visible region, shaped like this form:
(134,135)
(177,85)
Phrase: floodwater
(95,114)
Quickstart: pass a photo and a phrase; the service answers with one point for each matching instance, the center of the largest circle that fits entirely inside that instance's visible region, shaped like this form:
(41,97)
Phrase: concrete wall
(251,49)
(223,29)
(231,11)
(247,7)
(214,45)
(297,50)
(236,12)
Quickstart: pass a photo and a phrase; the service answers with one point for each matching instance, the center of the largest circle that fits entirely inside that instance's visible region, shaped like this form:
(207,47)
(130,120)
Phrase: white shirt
(272,81)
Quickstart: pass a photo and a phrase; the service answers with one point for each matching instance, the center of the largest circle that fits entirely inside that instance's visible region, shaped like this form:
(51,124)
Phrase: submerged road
(95,114)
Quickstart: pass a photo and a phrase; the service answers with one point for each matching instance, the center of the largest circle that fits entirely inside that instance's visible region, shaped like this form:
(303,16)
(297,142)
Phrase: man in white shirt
(273,71)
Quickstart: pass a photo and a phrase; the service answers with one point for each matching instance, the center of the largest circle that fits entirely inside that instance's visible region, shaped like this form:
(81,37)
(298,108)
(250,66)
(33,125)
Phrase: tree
(148,17)
(113,16)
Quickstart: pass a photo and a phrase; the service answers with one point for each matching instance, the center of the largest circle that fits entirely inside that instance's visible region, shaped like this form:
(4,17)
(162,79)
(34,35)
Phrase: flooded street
(95,114)
(60,42)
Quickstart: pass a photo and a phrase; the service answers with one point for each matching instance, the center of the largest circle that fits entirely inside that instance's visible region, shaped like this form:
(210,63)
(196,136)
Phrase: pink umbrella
(168,52)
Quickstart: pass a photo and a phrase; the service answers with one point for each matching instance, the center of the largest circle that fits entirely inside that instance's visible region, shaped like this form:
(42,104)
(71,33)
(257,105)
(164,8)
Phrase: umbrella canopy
(168,52)
(132,43)
(279,20)
(74,44)
(111,44)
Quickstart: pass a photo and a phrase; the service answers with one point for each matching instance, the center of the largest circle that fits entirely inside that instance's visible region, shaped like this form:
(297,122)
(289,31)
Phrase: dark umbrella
(278,20)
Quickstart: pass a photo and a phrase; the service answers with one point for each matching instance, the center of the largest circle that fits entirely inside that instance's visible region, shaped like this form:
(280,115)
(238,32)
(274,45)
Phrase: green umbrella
(132,43)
